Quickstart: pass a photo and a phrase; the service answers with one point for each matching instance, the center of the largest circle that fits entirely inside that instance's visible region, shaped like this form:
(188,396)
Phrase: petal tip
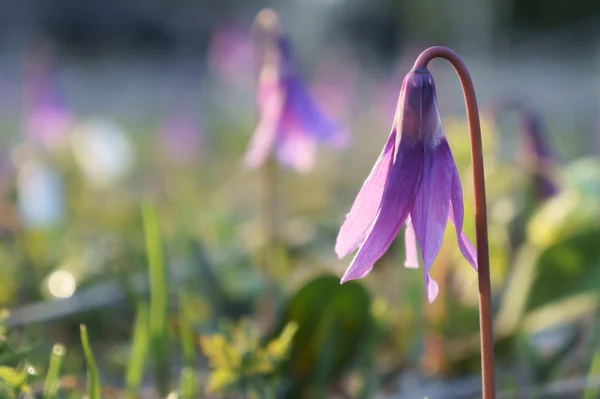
(411,265)
(340,251)
(432,290)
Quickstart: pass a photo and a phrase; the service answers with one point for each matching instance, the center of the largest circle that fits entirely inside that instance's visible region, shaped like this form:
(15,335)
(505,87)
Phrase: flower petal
(410,244)
(429,213)
(403,182)
(367,202)
(311,117)
(270,101)
(456,215)
(432,288)
(295,148)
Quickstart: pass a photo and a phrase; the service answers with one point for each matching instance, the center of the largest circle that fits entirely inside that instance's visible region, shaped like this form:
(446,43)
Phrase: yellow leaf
(279,347)
(262,364)
(220,379)
(13,377)
(219,353)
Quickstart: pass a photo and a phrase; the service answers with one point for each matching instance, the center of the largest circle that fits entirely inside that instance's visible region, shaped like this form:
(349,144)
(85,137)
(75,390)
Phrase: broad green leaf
(333,325)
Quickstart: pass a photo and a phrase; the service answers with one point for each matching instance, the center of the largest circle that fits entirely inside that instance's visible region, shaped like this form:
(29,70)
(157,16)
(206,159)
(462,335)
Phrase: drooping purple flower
(386,90)
(290,124)
(414,182)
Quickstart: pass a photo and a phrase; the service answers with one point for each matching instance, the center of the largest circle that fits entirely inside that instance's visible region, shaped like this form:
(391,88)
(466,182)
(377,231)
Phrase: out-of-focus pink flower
(47,120)
(334,87)
(290,124)
(414,182)
(49,124)
(180,137)
(230,54)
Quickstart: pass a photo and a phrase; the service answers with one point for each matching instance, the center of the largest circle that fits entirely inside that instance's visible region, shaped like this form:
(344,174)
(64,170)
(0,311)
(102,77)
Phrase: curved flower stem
(483,262)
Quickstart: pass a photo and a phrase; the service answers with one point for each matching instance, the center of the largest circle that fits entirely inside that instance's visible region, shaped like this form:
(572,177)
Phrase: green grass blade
(185,328)
(158,299)
(139,352)
(188,382)
(93,377)
(591,392)
(158,288)
(51,383)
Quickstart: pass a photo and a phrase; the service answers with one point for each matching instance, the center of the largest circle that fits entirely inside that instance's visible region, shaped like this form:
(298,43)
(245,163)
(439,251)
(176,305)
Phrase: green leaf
(93,376)
(576,209)
(333,322)
(569,267)
(513,305)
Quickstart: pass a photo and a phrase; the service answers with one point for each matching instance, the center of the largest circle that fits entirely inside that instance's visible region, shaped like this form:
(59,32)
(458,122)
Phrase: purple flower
(386,90)
(542,159)
(181,137)
(290,124)
(414,182)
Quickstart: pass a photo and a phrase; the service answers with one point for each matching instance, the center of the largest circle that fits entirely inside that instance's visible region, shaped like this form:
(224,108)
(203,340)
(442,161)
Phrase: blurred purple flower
(414,181)
(535,153)
(290,124)
(180,137)
(543,159)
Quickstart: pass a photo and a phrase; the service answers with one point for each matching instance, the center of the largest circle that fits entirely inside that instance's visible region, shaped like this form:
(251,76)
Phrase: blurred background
(126,206)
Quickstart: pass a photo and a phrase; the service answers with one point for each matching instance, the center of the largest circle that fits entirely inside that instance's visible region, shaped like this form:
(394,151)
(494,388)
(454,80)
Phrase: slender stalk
(483,262)
(264,32)
(270,212)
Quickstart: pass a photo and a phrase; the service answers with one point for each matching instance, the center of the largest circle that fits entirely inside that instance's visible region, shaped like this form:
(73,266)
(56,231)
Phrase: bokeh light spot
(61,284)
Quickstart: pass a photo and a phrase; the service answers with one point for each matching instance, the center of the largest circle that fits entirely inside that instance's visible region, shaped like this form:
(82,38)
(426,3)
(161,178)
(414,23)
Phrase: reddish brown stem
(483,262)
